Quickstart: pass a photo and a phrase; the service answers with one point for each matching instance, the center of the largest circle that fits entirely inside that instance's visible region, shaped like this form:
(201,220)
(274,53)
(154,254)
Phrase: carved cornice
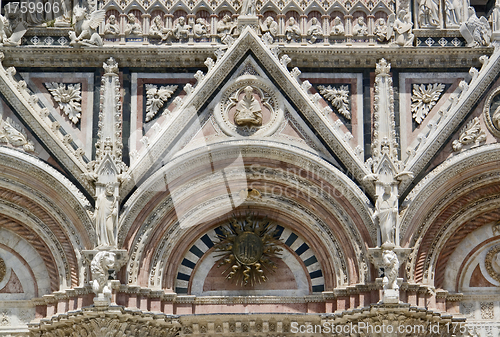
(194,56)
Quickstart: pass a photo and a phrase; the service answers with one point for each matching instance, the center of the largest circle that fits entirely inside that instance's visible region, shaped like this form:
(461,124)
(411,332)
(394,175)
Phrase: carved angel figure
(476,31)
(111,27)
(292,30)
(315,31)
(248,110)
(402,29)
(391,269)
(337,27)
(105,217)
(101,263)
(85,28)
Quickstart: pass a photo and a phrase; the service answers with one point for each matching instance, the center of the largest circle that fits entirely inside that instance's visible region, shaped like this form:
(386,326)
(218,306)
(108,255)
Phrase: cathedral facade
(242,168)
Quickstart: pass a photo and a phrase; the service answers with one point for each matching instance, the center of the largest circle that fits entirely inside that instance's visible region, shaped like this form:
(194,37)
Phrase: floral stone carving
(247,247)
(339,97)
(424,98)
(470,134)
(13,134)
(68,96)
(156,98)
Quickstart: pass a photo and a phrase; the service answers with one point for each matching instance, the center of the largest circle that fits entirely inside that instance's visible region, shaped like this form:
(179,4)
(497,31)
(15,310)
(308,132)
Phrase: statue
(337,27)
(495,118)
(315,31)
(476,31)
(381,30)
(453,13)
(64,20)
(111,27)
(85,33)
(428,13)
(248,8)
(100,266)
(248,110)
(181,30)
(225,28)
(387,214)
(106,216)
(200,28)
(391,270)
(495,17)
(402,28)
(360,28)
(133,26)
(12,28)
(292,30)
(156,30)
(269,29)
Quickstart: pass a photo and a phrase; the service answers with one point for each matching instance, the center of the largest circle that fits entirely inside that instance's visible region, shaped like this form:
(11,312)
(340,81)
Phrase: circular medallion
(248,248)
(491,112)
(492,262)
(3,269)
(249,106)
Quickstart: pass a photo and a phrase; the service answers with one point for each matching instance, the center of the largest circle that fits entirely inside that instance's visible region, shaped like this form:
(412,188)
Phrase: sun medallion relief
(246,247)
(250,106)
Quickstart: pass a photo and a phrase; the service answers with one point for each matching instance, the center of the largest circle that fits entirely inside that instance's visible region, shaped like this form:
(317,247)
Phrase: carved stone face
(112,19)
(110,190)
(291,21)
(269,20)
(361,21)
(182,21)
(314,21)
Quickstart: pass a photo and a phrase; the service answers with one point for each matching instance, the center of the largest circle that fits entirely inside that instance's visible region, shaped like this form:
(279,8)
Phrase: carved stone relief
(339,97)
(470,134)
(491,112)
(12,133)
(3,269)
(156,97)
(68,96)
(492,262)
(250,106)
(424,98)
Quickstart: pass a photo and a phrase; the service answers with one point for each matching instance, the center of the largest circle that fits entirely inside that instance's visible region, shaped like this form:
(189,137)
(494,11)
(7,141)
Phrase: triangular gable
(171,136)
(43,126)
(450,119)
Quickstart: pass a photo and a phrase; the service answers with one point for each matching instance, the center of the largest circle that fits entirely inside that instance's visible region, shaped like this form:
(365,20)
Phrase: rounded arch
(197,182)
(454,199)
(40,202)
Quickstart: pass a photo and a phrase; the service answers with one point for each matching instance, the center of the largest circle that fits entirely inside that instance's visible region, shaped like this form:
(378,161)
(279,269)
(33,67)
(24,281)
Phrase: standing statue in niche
(106,217)
(495,17)
(428,13)
(391,269)
(292,30)
(248,8)
(476,31)
(248,110)
(315,31)
(387,214)
(453,12)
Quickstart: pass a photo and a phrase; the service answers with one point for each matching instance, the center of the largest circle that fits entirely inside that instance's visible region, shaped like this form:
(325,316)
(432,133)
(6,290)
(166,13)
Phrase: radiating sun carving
(247,246)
